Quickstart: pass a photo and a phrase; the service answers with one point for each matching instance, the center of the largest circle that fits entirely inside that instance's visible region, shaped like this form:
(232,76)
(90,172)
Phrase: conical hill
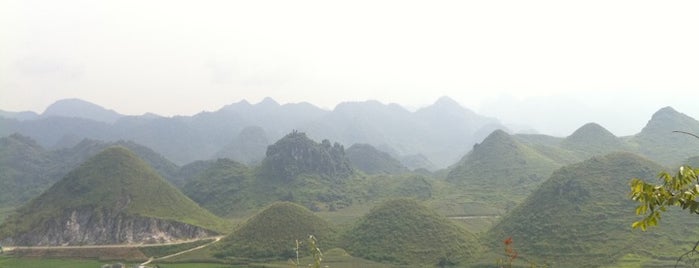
(592,139)
(501,165)
(402,231)
(501,159)
(114,197)
(658,142)
(372,161)
(273,232)
(581,217)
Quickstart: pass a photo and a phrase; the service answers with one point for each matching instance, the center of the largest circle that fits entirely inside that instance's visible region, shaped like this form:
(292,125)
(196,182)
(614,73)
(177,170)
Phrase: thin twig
(684,132)
(693,250)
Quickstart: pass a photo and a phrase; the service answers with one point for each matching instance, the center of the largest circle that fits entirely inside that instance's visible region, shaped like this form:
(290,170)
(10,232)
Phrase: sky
(547,65)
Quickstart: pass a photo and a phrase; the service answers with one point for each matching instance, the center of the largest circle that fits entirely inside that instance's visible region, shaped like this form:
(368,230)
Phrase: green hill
(72,157)
(372,161)
(581,217)
(500,170)
(221,187)
(402,231)
(272,234)
(592,139)
(658,142)
(26,169)
(113,187)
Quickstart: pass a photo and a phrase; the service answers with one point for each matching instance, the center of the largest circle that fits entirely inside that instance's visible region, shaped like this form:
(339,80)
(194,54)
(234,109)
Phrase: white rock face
(94,227)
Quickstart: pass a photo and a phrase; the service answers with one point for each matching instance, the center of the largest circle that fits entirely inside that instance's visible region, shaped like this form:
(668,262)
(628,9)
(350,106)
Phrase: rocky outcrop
(98,227)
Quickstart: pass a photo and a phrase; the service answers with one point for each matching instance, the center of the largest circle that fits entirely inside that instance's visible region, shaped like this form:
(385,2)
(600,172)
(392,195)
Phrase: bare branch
(688,253)
(684,132)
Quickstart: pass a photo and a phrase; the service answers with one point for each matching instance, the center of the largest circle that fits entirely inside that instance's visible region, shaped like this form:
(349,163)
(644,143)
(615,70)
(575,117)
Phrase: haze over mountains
(441,132)
(246,157)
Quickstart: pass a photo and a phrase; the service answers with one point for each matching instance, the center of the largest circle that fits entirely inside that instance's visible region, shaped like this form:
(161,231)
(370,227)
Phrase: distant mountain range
(562,199)
(441,132)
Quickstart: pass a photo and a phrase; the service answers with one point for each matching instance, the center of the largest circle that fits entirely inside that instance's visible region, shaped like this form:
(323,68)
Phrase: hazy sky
(551,65)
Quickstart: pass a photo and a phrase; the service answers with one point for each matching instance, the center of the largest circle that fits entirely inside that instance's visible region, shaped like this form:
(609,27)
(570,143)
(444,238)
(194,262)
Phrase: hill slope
(296,154)
(500,170)
(403,231)
(592,139)
(581,216)
(372,161)
(26,169)
(658,142)
(271,233)
(221,187)
(114,197)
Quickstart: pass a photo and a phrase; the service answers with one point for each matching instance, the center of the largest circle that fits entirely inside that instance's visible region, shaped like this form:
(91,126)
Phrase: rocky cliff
(90,227)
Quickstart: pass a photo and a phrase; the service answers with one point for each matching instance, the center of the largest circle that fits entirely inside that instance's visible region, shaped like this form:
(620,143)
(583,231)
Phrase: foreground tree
(679,190)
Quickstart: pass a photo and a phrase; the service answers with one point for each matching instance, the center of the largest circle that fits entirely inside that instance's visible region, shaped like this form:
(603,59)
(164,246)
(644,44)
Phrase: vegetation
(221,188)
(402,231)
(501,165)
(654,141)
(114,180)
(271,233)
(157,251)
(679,190)
(579,217)
(43,263)
(372,161)
(558,210)
(296,154)
(592,139)
(25,169)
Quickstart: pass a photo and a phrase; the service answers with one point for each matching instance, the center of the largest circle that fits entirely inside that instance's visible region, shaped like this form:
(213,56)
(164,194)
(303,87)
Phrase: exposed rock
(99,227)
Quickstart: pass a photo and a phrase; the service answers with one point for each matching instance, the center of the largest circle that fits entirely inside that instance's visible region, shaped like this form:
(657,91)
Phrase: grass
(161,251)
(10,262)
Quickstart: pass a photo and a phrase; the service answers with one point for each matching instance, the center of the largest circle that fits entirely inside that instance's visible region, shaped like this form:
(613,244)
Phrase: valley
(240,186)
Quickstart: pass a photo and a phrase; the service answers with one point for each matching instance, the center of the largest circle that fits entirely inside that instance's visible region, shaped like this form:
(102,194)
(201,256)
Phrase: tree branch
(690,252)
(684,132)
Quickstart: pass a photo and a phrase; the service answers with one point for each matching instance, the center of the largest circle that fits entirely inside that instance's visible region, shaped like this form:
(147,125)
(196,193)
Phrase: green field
(9,262)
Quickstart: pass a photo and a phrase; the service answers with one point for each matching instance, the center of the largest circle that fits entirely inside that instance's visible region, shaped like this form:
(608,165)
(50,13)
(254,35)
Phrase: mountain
(500,161)
(658,142)
(418,161)
(581,217)
(26,169)
(81,109)
(220,187)
(184,139)
(273,232)
(453,128)
(372,161)
(248,147)
(296,154)
(27,115)
(403,231)
(593,139)
(441,131)
(113,198)
(71,158)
